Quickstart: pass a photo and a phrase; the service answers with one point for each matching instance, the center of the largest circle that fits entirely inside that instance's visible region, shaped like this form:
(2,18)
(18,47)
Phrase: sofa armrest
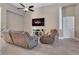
(34,37)
(33,42)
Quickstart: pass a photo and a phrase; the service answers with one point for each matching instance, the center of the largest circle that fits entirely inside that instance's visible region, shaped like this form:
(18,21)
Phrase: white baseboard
(61,38)
(76,38)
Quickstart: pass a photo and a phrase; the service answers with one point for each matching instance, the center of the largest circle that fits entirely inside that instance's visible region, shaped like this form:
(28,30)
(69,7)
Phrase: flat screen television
(38,22)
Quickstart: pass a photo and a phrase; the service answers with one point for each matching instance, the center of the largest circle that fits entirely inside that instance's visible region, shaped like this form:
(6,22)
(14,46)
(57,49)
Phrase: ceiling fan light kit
(26,9)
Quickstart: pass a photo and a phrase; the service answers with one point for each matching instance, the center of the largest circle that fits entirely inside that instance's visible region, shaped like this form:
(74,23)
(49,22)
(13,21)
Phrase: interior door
(68,27)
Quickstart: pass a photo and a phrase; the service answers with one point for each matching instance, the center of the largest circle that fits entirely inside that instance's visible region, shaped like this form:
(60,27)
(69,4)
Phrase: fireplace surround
(38,32)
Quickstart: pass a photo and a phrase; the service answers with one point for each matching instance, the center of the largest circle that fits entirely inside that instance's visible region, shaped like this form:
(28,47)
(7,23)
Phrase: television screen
(38,22)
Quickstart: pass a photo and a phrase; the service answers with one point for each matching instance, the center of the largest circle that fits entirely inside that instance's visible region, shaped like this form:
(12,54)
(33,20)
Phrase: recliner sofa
(22,39)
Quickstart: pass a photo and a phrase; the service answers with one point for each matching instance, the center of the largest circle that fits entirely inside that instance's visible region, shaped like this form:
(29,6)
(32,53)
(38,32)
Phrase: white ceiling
(36,5)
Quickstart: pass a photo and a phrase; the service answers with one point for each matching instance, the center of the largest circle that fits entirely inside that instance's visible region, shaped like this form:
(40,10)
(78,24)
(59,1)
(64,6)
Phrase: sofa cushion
(19,39)
(28,35)
(32,41)
(48,39)
(8,37)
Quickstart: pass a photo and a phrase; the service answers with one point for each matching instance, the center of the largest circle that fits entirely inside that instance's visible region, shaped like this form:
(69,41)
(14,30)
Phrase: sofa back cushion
(53,32)
(31,40)
(8,37)
(19,39)
(28,35)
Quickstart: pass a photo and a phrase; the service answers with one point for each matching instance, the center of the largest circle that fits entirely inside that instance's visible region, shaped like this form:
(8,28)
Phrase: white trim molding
(61,38)
(76,38)
(60,17)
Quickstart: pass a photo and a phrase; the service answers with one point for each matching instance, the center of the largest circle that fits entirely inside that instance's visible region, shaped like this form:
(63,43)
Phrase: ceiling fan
(25,8)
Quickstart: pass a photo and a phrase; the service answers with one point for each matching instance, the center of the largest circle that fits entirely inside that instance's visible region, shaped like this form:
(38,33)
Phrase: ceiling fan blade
(22,5)
(31,6)
(31,10)
(20,8)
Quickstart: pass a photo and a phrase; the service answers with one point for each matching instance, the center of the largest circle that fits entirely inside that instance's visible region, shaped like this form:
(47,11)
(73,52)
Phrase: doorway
(68,27)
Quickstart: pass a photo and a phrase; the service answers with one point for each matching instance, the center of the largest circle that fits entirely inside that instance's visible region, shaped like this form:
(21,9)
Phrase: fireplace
(38,32)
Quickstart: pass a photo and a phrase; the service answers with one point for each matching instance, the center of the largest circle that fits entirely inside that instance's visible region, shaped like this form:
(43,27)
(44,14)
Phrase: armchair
(49,39)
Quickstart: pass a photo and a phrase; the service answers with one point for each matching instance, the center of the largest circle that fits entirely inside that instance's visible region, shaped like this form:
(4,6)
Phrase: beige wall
(69,10)
(50,13)
(4,8)
(15,21)
(73,11)
(77,21)
(0,19)
(0,23)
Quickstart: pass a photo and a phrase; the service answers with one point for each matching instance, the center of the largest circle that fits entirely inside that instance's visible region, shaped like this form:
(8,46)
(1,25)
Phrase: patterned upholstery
(32,40)
(49,39)
(21,38)
(7,37)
